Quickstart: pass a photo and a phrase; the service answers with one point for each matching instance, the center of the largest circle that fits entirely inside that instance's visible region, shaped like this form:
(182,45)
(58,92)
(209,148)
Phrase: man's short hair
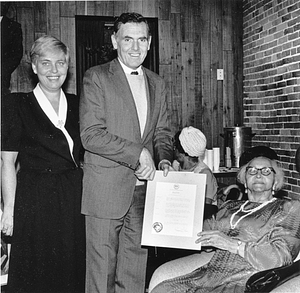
(130,17)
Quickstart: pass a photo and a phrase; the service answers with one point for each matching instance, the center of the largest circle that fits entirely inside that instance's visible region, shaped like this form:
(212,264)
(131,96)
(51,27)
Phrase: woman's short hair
(279,173)
(45,43)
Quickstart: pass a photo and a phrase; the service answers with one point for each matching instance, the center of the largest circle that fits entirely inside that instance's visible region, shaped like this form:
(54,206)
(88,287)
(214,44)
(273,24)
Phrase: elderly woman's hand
(218,239)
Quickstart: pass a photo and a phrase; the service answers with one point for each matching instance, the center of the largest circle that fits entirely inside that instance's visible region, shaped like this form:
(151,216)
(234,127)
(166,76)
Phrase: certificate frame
(178,195)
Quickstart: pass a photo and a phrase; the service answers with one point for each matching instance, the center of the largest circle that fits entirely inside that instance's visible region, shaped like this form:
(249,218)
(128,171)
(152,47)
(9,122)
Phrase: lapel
(45,126)
(122,89)
(150,89)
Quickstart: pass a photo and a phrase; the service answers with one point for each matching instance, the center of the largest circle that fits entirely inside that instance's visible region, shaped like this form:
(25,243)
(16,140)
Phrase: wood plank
(233,102)
(228,104)
(135,6)
(188,24)
(198,78)
(164,9)
(188,84)
(216,63)
(206,71)
(68,38)
(90,7)
(228,24)
(237,44)
(25,78)
(25,16)
(23,4)
(67,8)
(176,72)
(164,42)
(120,7)
(176,6)
(40,17)
(81,7)
(150,8)
(104,8)
(53,23)
(165,73)
(228,92)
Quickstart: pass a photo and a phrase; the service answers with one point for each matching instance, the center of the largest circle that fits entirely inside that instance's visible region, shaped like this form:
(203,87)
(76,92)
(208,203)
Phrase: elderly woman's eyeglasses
(264,171)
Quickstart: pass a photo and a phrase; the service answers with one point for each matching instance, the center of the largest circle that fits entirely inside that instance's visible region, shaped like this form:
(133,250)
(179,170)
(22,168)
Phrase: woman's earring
(246,189)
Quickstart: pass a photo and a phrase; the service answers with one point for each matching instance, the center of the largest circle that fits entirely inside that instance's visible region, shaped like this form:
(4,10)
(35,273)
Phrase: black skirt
(48,244)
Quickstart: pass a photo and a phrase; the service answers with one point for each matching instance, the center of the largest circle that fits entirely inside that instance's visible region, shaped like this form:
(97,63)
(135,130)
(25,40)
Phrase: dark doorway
(93,44)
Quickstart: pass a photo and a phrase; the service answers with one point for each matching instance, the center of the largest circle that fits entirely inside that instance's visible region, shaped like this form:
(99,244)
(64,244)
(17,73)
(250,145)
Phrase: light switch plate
(220,74)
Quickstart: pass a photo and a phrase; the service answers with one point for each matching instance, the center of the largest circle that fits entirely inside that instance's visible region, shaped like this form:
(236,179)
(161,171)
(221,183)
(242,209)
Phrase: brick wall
(271,45)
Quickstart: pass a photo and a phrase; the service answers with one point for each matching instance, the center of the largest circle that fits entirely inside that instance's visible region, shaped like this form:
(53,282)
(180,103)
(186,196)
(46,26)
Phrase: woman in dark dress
(42,200)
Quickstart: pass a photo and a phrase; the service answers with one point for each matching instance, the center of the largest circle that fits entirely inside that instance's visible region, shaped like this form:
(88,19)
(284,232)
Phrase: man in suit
(11,47)
(124,129)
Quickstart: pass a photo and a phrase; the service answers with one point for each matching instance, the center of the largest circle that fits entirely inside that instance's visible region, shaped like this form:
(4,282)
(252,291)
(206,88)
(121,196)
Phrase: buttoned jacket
(111,136)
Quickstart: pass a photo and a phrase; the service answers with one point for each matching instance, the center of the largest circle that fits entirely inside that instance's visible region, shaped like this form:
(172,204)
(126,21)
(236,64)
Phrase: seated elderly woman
(189,152)
(250,236)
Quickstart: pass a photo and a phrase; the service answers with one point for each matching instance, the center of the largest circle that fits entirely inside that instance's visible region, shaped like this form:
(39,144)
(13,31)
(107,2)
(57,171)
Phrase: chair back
(225,193)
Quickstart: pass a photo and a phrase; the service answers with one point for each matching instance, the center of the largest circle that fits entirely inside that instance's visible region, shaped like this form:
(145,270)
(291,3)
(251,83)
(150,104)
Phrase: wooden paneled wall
(196,37)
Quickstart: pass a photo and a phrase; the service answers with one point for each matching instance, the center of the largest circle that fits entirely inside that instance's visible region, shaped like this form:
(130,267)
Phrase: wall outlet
(220,74)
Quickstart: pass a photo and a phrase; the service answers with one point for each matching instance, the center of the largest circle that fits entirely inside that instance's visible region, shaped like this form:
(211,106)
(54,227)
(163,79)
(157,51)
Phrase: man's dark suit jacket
(11,50)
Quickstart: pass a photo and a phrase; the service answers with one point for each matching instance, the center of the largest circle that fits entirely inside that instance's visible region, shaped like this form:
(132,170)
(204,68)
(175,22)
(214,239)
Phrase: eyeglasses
(266,171)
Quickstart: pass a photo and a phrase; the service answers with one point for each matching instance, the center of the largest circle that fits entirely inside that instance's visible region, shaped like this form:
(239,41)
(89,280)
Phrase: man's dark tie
(134,73)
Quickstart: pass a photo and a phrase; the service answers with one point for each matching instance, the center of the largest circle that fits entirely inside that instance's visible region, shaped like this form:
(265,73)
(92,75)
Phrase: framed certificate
(174,210)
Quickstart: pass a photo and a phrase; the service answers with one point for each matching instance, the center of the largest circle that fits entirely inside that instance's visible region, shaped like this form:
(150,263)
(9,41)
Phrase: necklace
(247,212)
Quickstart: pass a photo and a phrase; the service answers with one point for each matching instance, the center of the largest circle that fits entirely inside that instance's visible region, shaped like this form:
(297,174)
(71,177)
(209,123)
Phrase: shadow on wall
(297,159)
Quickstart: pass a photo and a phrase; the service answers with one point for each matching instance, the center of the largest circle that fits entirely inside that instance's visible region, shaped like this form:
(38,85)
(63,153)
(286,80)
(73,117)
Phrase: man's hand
(165,167)
(146,170)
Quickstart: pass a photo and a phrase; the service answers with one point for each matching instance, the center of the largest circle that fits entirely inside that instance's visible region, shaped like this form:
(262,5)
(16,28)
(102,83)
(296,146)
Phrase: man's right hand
(146,169)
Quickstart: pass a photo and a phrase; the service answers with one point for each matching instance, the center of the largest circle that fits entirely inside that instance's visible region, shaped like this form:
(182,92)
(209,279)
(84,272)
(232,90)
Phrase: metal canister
(236,140)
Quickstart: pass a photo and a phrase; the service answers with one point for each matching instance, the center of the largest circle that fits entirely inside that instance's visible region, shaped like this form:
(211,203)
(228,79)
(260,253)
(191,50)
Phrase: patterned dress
(272,236)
